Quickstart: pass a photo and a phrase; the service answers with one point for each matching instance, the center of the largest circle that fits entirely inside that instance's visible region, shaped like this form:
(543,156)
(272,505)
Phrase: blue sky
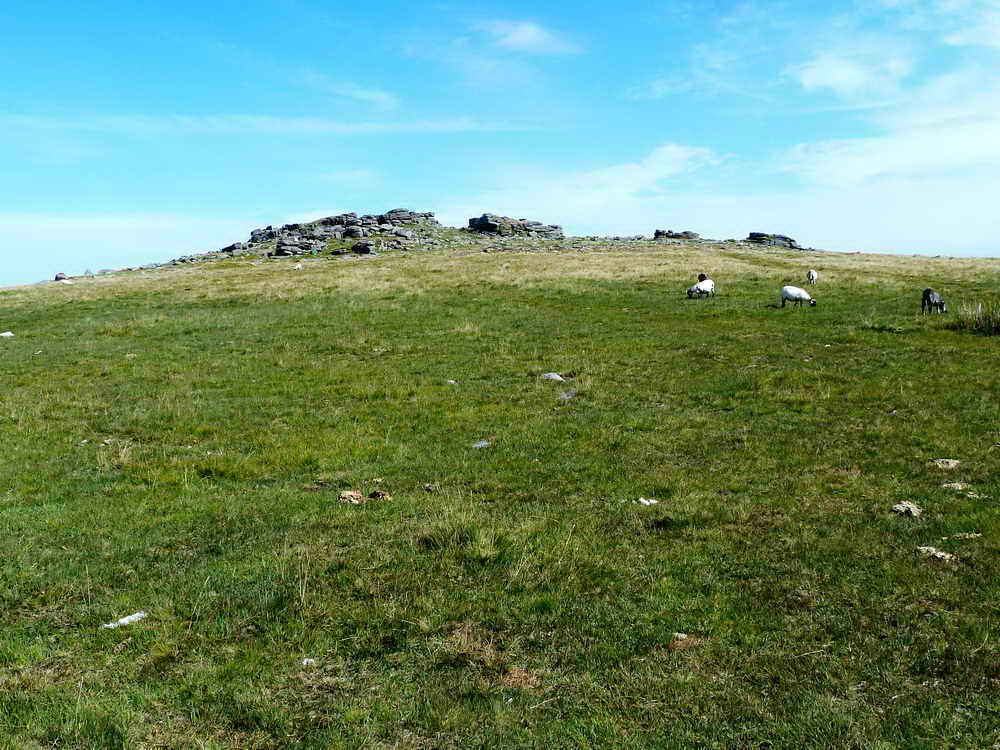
(132,132)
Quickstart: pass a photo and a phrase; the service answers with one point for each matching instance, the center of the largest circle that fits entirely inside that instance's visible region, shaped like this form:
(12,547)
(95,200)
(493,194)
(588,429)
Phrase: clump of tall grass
(981,317)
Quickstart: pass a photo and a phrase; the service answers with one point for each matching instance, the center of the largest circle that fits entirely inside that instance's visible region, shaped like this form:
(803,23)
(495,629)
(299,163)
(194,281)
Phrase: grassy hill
(176,442)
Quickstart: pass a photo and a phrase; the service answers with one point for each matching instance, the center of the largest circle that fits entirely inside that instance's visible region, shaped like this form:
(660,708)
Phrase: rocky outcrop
(400,225)
(774,240)
(506,226)
(667,234)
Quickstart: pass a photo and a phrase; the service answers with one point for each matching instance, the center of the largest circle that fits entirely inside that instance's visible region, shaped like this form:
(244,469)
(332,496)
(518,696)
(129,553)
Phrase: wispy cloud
(151,125)
(850,74)
(347,90)
(528,37)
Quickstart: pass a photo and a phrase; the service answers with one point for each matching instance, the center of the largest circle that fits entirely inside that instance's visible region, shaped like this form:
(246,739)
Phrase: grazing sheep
(932,301)
(704,288)
(811,276)
(796,296)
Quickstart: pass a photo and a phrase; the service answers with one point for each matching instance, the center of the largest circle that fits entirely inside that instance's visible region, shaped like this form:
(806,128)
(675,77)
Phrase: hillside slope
(176,441)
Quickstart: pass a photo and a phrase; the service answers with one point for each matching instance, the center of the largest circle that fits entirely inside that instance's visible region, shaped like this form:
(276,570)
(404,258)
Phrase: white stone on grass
(553,376)
(126,620)
(935,554)
(906,508)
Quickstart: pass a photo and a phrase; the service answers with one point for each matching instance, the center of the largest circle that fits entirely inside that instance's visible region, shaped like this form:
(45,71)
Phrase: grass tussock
(980,317)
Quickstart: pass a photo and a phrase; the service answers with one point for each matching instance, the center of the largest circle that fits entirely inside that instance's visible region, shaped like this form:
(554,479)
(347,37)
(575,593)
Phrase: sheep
(704,288)
(796,296)
(811,276)
(932,301)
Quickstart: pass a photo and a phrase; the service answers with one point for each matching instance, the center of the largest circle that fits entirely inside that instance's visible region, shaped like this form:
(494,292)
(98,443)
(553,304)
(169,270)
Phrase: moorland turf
(176,442)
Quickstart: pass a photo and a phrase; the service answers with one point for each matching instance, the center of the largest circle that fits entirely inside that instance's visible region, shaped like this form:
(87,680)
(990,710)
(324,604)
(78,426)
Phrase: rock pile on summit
(303,239)
(667,234)
(774,240)
(504,225)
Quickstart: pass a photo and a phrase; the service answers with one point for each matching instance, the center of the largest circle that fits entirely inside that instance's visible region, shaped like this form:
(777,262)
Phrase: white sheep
(703,288)
(811,276)
(796,296)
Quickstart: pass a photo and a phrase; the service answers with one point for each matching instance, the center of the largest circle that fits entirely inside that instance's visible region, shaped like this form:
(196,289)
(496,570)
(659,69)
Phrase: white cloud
(527,36)
(150,125)
(321,82)
(985,31)
(851,75)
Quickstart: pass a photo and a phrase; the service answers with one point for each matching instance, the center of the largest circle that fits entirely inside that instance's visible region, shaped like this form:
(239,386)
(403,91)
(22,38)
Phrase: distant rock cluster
(304,239)
(667,234)
(506,226)
(774,240)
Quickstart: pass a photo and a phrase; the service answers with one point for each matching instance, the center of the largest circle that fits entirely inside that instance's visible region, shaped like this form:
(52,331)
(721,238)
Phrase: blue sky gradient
(136,132)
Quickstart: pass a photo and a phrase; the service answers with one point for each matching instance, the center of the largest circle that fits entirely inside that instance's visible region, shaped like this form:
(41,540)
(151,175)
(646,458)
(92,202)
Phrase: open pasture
(176,442)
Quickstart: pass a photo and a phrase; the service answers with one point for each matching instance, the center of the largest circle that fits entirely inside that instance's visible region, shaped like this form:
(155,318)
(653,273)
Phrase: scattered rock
(431,487)
(308,662)
(61,277)
(963,535)
(568,395)
(481,444)
(553,376)
(906,508)
(352,497)
(936,554)
(361,248)
(7,335)
(297,267)
(945,464)
(126,620)
(451,382)
(379,495)
(647,501)
(956,486)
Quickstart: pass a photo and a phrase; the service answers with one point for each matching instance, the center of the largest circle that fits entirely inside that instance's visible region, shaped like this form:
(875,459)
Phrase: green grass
(176,441)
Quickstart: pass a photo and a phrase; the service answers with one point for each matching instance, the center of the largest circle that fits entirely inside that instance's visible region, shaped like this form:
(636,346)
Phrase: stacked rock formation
(667,234)
(504,225)
(774,240)
(395,226)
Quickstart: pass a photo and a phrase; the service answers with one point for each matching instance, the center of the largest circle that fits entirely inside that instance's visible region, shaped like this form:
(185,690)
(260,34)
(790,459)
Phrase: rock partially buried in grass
(431,487)
(553,376)
(481,444)
(945,464)
(934,553)
(7,335)
(568,395)
(956,486)
(906,508)
(379,495)
(352,497)
(647,501)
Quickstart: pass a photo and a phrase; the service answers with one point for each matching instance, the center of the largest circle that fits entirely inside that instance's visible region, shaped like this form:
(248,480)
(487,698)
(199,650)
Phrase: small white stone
(936,554)
(945,463)
(7,335)
(126,620)
(481,444)
(308,662)
(906,508)
(553,376)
